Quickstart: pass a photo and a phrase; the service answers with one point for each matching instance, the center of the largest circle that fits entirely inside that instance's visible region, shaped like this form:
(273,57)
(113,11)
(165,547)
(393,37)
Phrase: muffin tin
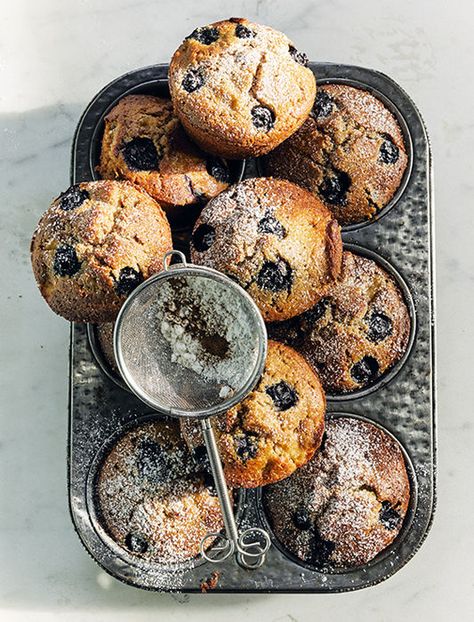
(402,401)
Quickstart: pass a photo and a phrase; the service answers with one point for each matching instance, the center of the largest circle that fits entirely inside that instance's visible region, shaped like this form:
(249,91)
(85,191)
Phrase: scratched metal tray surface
(403,402)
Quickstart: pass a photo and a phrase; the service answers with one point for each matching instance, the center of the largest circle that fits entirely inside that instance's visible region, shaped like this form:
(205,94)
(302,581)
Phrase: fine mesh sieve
(190,342)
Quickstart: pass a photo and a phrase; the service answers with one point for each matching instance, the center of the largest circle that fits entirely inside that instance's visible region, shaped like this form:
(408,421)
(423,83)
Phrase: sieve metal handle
(250,551)
(166,263)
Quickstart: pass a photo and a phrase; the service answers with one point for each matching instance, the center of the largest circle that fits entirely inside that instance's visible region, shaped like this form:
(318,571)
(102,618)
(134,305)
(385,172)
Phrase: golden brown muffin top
(348,503)
(94,245)
(350,153)
(277,240)
(240,88)
(152,498)
(357,332)
(144,142)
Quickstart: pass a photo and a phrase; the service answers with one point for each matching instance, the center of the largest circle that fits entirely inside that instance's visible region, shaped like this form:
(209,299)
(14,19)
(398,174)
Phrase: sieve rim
(189,269)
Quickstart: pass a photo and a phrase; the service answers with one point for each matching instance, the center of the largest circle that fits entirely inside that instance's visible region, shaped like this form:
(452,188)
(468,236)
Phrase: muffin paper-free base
(403,401)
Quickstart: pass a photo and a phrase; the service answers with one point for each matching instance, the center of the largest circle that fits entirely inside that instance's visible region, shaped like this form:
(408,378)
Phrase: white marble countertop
(54,56)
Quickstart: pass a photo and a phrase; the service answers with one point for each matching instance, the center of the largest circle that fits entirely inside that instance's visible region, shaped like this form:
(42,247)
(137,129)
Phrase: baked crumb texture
(153,499)
(94,245)
(144,143)
(275,429)
(356,332)
(278,241)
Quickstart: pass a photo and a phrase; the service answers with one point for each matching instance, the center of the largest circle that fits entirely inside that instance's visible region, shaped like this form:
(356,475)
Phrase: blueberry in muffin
(275,429)
(144,143)
(94,245)
(350,153)
(356,332)
(152,497)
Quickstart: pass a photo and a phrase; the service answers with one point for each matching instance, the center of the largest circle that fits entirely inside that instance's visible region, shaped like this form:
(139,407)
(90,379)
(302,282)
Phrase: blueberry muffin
(275,239)
(94,245)
(152,498)
(275,430)
(144,143)
(240,88)
(357,332)
(350,153)
(347,504)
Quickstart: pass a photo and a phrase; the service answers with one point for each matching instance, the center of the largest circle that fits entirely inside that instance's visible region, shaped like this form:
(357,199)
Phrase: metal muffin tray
(403,401)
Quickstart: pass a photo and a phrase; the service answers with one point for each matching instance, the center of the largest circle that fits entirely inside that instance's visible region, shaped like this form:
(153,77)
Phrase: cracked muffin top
(94,245)
(348,503)
(357,332)
(153,498)
(240,88)
(275,430)
(144,143)
(350,153)
(275,239)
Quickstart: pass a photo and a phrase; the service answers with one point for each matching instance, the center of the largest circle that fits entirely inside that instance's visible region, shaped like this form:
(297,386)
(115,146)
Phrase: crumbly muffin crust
(277,240)
(350,152)
(240,88)
(357,332)
(94,245)
(347,504)
(152,498)
(144,143)
(275,430)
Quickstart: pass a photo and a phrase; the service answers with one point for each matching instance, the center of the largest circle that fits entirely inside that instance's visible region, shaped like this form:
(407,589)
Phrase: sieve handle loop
(250,551)
(166,263)
(252,546)
(216,547)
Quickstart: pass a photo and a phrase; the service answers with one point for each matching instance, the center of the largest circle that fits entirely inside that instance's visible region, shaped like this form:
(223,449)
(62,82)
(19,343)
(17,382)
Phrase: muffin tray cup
(403,401)
(387,552)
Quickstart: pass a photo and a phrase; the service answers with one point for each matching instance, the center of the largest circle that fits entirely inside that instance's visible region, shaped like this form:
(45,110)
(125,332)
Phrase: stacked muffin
(338,321)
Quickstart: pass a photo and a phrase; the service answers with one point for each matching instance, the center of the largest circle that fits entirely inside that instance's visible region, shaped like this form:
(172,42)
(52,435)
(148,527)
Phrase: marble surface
(54,56)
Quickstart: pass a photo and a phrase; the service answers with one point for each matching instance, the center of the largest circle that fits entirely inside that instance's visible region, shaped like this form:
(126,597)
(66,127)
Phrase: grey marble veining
(53,57)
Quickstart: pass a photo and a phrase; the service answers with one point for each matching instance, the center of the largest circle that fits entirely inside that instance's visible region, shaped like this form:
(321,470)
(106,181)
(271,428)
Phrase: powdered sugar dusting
(344,140)
(235,214)
(334,335)
(206,326)
(236,75)
(348,503)
(153,502)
